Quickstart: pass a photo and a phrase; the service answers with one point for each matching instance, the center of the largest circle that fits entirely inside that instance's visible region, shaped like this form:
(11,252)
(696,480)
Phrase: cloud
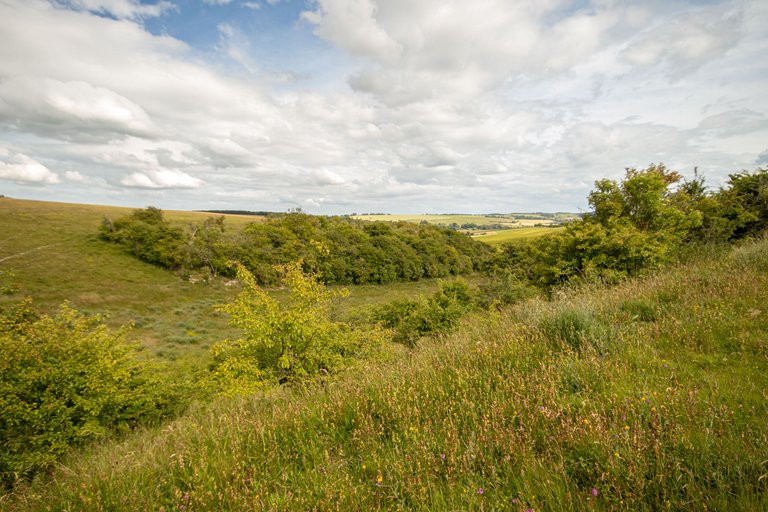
(23,169)
(75,176)
(43,106)
(121,9)
(161,180)
(686,41)
(379,105)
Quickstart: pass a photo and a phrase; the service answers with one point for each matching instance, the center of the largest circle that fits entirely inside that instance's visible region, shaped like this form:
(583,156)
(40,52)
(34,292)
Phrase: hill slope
(55,255)
(647,396)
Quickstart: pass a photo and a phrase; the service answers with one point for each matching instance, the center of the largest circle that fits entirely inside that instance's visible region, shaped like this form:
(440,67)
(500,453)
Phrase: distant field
(506,235)
(482,222)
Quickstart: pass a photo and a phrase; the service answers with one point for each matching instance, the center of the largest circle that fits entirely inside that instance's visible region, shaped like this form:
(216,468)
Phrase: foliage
(64,380)
(339,250)
(637,224)
(745,203)
(502,287)
(413,319)
(285,341)
(148,236)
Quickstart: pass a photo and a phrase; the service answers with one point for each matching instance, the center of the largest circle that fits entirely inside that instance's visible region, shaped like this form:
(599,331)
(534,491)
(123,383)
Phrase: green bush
(411,319)
(285,341)
(64,380)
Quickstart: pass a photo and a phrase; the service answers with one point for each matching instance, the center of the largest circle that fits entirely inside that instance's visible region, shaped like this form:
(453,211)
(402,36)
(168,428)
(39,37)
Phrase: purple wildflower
(594,492)
(479,490)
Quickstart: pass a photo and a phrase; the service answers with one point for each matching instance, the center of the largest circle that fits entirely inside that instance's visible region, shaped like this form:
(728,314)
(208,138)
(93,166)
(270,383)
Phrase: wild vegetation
(338,249)
(536,387)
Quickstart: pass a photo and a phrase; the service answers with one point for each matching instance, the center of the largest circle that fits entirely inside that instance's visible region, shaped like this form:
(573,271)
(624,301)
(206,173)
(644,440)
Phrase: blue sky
(340,106)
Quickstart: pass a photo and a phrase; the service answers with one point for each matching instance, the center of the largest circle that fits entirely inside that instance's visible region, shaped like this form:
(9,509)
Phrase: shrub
(64,380)
(411,320)
(285,341)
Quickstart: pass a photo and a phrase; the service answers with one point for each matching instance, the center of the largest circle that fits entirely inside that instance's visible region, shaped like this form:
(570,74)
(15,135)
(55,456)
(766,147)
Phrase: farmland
(476,224)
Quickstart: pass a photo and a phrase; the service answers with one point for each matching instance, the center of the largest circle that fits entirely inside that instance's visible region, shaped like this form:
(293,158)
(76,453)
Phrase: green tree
(744,203)
(285,341)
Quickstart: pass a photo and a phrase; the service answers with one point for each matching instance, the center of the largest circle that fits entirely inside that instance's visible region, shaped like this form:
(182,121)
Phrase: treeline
(340,250)
(640,223)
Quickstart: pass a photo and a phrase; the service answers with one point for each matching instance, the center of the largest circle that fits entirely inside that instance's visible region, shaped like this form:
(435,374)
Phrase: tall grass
(647,396)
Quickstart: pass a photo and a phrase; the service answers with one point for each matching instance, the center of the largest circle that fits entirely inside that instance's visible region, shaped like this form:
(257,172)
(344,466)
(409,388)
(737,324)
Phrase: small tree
(285,341)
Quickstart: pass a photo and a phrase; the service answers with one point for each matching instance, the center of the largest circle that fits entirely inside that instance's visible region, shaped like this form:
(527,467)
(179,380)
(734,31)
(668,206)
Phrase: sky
(351,106)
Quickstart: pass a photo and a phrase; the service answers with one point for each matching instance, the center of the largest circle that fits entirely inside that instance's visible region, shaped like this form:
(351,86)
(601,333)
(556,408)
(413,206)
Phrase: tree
(285,341)
(745,203)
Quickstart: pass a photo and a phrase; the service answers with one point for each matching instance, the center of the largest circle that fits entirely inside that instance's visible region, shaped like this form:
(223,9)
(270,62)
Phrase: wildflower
(616,454)
(653,409)
(379,479)
(626,427)
(363,467)
(442,456)
(479,490)
(586,421)
(514,501)
(594,492)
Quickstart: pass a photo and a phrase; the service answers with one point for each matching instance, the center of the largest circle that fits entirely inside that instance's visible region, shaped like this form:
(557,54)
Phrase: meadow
(650,395)
(55,255)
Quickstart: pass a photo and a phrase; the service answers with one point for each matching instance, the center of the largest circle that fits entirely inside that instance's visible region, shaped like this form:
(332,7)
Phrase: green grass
(647,396)
(54,252)
(507,235)
(55,255)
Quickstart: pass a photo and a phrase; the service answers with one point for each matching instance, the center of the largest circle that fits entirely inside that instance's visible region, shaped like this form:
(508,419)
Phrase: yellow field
(507,235)
(508,221)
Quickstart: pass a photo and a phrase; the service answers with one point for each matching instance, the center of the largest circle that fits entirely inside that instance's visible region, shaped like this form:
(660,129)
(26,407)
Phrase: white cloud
(123,9)
(161,180)
(23,169)
(75,176)
(432,105)
(42,105)
(686,41)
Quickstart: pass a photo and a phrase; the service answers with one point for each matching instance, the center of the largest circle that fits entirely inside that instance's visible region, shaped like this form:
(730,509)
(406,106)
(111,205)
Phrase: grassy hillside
(647,396)
(55,255)
(53,250)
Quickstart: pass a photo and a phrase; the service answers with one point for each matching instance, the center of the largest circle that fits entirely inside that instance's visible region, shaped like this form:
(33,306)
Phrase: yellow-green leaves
(284,341)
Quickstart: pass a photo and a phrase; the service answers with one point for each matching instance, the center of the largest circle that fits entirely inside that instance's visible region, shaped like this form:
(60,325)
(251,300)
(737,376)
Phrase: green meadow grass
(647,396)
(507,235)
(55,255)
